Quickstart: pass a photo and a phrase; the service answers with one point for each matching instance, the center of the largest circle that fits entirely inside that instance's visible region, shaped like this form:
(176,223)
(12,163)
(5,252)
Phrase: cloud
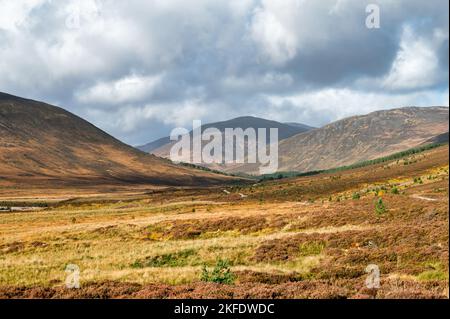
(325,105)
(14,14)
(137,68)
(128,89)
(417,63)
(272,28)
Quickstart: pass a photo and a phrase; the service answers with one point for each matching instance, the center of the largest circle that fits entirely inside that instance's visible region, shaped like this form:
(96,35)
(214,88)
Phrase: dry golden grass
(303,231)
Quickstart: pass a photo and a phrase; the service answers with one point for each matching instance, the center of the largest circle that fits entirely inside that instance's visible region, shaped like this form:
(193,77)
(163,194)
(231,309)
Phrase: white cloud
(270,27)
(14,14)
(126,90)
(331,104)
(286,29)
(417,64)
(177,115)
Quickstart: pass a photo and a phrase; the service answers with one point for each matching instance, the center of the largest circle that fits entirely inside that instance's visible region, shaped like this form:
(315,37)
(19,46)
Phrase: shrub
(394,190)
(220,274)
(380,208)
(356,196)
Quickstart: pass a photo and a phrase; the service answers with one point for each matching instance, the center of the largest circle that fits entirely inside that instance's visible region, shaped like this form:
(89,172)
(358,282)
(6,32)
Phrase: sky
(137,69)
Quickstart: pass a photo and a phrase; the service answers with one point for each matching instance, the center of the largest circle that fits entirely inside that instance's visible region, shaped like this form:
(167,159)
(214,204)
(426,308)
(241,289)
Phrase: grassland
(299,237)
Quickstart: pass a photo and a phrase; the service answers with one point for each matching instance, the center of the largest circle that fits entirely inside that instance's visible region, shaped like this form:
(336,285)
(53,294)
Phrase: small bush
(380,208)
(356,196)
(220,274)
(394,190)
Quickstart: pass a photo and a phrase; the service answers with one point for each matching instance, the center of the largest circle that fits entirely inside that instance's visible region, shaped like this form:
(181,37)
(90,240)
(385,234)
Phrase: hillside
(40,142)
(360,138)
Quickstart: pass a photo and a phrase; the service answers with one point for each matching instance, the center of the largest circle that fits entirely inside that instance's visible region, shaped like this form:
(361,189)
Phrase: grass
(294,235)
(437,272)
(311,248)
(178,259)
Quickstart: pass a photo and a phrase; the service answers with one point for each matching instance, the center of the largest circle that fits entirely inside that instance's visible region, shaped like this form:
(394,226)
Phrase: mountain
(302,126)
(149,147)
(161,147)
(40,142)
(360,138)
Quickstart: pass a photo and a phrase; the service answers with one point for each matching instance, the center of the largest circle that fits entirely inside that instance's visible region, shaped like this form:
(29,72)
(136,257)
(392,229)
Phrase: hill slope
(43,142)
(359,138)
(362,138)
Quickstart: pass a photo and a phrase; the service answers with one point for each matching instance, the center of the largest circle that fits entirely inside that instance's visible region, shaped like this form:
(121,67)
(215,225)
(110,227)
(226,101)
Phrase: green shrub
(380,208)
(394,190)
(220,274)
(356,196)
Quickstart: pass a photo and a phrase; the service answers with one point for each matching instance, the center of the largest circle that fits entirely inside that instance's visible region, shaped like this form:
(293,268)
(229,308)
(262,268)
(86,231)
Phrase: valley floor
(308,237)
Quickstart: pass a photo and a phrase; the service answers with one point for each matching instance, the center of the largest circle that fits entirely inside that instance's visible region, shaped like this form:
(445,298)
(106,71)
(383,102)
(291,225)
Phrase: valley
(301,237)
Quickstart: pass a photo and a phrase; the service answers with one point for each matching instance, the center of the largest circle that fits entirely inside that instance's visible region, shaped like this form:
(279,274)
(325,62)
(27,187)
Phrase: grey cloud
(218,59)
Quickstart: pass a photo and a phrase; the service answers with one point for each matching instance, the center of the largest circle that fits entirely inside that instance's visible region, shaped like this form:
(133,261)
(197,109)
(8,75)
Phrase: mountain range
(360,138)
(44,143)
(343,142)
(285,130)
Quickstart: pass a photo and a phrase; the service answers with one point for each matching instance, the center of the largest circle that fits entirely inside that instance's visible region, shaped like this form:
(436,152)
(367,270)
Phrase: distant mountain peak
(285,130)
